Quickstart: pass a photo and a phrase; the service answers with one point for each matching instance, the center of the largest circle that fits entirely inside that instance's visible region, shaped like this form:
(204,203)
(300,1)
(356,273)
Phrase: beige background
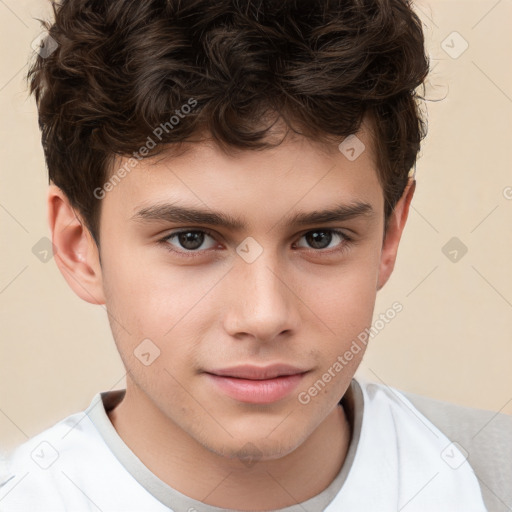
(453,339)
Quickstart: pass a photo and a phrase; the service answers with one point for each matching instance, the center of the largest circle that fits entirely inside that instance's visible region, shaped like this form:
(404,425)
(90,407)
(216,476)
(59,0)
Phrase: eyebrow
(172,213)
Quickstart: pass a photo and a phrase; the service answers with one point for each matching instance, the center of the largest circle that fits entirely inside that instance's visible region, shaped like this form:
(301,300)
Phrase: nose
(261,303)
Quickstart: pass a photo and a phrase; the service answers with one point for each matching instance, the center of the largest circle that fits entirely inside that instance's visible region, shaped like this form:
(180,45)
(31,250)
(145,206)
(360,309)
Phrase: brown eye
(322,238)
(190,240)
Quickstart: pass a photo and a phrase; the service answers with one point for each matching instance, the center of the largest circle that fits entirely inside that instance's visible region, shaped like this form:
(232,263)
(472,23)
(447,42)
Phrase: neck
(187,466)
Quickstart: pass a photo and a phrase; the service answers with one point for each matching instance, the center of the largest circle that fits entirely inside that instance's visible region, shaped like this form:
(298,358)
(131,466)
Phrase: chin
(246,450)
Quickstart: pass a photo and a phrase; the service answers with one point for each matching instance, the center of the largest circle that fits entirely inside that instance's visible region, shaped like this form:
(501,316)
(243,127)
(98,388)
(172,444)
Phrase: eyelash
(340,249)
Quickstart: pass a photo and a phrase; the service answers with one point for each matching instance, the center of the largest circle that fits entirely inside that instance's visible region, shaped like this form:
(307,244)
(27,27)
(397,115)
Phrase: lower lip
(257,391)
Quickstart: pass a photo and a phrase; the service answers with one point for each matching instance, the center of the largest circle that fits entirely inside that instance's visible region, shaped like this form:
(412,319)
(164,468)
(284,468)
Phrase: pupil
(317,241)
(191,239)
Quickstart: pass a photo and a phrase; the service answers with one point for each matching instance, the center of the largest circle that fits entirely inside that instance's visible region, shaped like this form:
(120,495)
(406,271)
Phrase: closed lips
(258,373)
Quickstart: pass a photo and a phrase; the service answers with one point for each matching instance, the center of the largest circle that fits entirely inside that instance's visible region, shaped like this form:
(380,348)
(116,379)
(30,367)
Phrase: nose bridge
(264,306)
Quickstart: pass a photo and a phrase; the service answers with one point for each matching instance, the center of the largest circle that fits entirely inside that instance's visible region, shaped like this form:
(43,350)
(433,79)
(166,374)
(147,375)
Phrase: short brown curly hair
(121,68)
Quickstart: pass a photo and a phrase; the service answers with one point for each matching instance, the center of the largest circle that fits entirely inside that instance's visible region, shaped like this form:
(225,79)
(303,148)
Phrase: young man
(231,179)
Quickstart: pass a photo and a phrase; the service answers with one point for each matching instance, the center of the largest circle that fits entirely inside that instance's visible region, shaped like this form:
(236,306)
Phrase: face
(191,297)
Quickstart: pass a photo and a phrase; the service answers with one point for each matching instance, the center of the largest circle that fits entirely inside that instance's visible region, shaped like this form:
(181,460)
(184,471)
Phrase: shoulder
(31,473)
(478,428)
(484,437)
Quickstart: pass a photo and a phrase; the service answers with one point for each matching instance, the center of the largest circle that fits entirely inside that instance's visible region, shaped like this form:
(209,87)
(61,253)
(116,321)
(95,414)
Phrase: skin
(294,304)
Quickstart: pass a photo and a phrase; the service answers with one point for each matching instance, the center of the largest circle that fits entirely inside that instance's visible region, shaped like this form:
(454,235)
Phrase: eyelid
(338,231)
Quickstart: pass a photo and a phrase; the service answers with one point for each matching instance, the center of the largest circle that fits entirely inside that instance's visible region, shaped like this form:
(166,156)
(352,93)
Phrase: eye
(188,240)
(191,242)
(323,238)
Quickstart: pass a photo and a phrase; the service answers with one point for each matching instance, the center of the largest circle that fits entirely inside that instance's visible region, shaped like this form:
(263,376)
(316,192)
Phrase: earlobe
(77,254)
(396,226)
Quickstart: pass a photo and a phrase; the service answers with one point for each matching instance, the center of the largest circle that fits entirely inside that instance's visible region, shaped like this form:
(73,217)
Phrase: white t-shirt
(397,461)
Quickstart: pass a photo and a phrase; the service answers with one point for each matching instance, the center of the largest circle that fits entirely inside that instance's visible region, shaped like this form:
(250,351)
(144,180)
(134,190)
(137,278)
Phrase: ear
(396,226)
(77,255)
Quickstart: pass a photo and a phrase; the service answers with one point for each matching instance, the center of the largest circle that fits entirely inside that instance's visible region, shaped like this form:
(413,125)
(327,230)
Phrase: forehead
(297,175)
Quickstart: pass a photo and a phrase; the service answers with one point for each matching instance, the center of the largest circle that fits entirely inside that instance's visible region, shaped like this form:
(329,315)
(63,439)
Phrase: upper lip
(248,371)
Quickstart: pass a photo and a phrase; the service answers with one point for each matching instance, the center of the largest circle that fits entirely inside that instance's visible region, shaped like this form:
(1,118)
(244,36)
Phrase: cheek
(343,303)
(171,306)
(347,315)
(344,298)
(151,294)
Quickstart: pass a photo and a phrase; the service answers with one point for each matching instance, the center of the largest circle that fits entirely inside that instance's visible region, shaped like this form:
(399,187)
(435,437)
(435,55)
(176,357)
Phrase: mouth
(257,385)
